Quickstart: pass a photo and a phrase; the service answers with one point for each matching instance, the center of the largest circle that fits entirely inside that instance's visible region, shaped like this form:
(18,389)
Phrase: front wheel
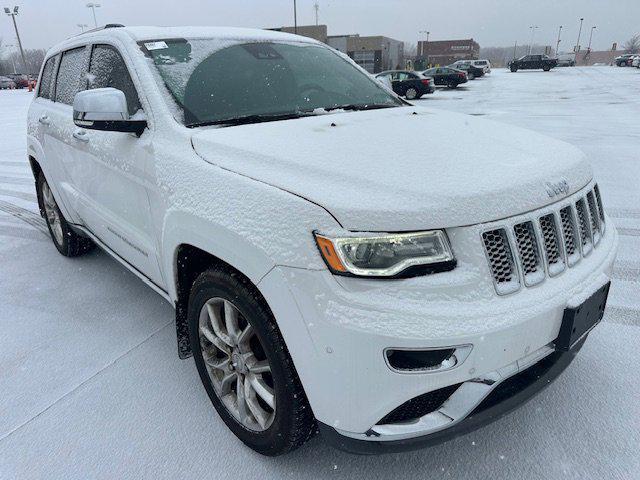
(452,85)
(513,68)
(68,242)
(546,69)
(244,364)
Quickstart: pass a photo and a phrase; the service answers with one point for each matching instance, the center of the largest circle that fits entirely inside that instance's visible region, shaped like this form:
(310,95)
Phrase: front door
(111,172)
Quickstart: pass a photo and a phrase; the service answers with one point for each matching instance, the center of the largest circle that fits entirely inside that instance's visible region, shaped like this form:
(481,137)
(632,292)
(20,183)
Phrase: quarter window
(48,77)
(70,74)
(107,69)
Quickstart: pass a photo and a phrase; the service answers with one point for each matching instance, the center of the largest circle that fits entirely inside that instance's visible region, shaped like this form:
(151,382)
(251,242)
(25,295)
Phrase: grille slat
(529,253)
(501,262)
(531,250)
(551,240)
(584,226)
(595,218)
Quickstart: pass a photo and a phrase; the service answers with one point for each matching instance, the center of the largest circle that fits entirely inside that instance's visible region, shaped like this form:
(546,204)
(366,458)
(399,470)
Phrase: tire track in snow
(33,219)
(22,195)
(16,180)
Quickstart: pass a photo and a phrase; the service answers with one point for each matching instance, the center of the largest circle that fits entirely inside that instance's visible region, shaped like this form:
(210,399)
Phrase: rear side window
(70,75)
(107,69)
(48,78)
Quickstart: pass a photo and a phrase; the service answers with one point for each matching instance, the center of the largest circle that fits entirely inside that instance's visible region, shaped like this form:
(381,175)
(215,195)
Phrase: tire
(68,242)
(471,76)
(513,68)
(411,93)
(290,422)
(546,69)
(452,85)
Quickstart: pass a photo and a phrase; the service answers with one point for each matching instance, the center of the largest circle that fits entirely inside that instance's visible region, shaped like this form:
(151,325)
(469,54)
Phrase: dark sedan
(472,71)
(451,77)
(411,85)
(533,62)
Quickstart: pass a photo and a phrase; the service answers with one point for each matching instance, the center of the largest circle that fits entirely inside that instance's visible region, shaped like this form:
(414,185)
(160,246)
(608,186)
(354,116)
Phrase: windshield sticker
(155,45)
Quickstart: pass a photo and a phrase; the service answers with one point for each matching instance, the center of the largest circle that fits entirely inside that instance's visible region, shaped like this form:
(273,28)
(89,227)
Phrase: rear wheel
(411,93)
(68,242)
(452,85)
(546,69)
(245,366)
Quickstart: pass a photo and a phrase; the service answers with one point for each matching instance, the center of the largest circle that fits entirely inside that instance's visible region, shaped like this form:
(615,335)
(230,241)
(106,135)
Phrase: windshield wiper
(360,106)
(259,118)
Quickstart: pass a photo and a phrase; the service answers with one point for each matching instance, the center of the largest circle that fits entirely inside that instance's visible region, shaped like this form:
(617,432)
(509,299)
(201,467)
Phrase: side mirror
(105,109)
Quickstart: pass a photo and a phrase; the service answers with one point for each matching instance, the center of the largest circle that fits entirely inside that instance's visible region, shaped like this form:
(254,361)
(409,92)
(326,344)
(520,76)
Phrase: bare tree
(632,45)
(34,59)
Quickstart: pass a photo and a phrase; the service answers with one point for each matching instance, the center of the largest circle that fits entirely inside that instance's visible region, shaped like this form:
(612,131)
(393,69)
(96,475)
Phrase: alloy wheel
(237,364)
(52,213)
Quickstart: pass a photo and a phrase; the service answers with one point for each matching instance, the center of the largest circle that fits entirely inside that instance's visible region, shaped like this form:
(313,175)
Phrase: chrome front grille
(531,250)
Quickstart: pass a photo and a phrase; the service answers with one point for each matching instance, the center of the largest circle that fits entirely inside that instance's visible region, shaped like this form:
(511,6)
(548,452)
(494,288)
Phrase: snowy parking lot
(91,386)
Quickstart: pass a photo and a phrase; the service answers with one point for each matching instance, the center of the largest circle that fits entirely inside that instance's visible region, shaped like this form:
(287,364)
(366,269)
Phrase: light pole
(316,7)
(533,29)
(13,60)
(82,26)
(578,42)
(558,42)
(13,14)
(93,7)
(295,17)
(590,37)
(422,32)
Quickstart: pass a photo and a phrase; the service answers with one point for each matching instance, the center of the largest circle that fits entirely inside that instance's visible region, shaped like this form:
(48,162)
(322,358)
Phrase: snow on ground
(91,386)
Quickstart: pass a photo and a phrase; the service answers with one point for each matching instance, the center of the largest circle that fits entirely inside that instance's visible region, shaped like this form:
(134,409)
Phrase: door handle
(44,120)
(81,135)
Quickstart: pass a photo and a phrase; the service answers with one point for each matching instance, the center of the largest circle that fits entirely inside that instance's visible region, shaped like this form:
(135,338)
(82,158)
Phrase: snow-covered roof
(141,33)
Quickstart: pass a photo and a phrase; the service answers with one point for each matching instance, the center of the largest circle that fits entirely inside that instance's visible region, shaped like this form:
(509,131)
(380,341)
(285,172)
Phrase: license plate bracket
(578,321)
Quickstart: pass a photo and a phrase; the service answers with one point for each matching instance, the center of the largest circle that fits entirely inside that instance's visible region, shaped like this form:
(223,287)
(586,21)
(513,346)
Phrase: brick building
(445,52)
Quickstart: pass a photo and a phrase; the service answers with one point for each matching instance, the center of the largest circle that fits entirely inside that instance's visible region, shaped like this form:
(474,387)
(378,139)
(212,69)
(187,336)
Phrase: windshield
(214,82)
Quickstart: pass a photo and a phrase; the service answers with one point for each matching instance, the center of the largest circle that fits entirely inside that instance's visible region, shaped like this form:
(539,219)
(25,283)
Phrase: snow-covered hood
(401,169)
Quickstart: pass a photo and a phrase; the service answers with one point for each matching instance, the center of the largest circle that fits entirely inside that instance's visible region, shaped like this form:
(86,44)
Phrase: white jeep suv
(327,273)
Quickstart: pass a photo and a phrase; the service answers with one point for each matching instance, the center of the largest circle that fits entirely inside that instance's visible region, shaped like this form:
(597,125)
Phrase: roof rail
(107,26)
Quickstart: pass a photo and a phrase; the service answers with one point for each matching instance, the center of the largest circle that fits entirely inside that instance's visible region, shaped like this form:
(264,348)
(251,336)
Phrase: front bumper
(337,330)
(503,396)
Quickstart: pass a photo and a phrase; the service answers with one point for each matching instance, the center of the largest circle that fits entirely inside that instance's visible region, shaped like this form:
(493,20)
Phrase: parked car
(635,62)
(327,272)
(533,62)
(624,60)
(411,85)
(21,81)
(466,66)
(448,76)
(485,65)
(566,60)
(6,83)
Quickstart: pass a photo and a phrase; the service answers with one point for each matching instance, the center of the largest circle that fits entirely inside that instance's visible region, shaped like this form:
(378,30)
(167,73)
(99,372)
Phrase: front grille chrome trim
(526,252)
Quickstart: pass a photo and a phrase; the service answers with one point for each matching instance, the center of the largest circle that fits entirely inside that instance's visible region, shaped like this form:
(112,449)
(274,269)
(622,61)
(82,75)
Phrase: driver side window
(107,69)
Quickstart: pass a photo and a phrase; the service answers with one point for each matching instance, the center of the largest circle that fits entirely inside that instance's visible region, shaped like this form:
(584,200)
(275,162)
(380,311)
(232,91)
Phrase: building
(445,52)
(590,57)
(375,54)
(317,32)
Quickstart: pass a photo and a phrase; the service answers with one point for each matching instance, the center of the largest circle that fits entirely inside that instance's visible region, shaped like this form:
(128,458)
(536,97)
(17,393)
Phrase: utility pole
(558,42)
(13,14)
(295,17)
(93,7)
(533,31)
(515,49)
(82,26)
(316,7)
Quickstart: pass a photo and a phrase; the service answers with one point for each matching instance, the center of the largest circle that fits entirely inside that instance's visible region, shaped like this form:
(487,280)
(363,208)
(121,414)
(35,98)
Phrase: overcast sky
(490,22)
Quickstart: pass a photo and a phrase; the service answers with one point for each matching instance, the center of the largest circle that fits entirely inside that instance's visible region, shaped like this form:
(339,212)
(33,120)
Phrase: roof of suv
(142,33)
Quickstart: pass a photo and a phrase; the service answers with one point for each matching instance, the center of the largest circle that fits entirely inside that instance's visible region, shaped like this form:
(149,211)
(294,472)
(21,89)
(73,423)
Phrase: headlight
(393,255)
